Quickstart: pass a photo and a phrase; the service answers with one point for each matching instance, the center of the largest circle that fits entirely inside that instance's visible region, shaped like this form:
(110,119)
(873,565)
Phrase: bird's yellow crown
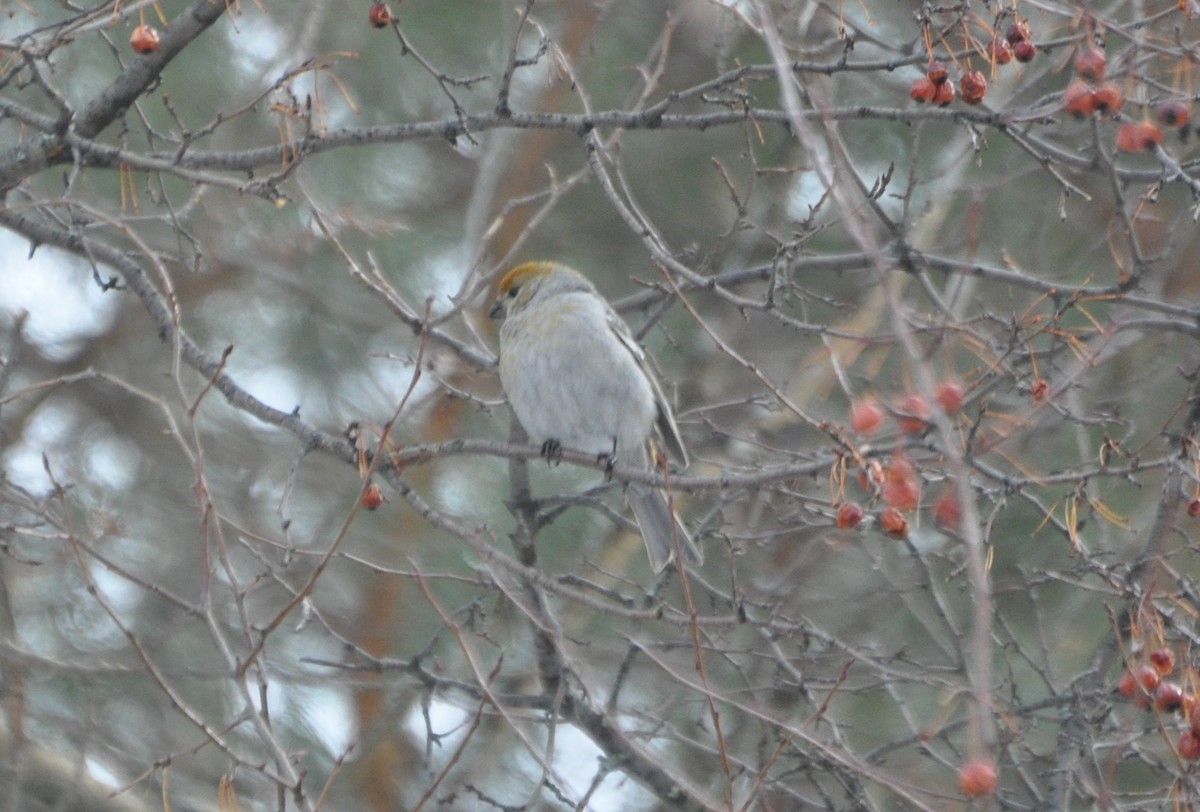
(526,270)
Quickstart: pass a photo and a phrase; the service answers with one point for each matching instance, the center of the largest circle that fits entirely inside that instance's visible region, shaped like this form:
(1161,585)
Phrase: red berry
(1168,697)
(1163,661)
(866,416)
(1151,135)
(372,496)
(1017,32)
(1038,389)
(1173,114)
(1189,745)
(1137,682)
(974,86)
(945,93)
(1090,62)
(949,396)
(1108,98)
(977,778)
(1193,508)
(144,39)
(1024,51)
(1079,99)
(937,72)
(900,486)
(1138,136)
(849,516)
(1000,50)
(922,89)
(380,15)
(946,511)
(912,411)
(893,523)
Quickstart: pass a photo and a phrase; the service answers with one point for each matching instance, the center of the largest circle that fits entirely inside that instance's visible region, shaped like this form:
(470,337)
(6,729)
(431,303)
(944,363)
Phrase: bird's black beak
(496,310)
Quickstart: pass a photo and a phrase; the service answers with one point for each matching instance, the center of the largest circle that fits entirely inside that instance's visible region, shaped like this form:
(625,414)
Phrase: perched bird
(576,378)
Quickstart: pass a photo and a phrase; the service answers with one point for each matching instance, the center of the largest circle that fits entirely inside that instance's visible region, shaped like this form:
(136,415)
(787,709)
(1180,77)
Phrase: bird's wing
(664,419)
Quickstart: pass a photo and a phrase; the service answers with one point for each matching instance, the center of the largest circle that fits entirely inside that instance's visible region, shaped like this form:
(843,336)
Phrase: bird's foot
(552,451)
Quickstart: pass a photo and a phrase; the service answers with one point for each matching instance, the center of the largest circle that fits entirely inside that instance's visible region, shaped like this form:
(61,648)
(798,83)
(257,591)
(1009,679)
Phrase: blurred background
(244,281)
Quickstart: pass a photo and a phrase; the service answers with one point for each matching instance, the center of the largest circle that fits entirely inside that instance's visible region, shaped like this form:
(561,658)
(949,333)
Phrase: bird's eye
(513,291)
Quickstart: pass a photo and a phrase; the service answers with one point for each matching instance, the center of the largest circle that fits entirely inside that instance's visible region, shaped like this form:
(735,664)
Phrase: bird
(576,378)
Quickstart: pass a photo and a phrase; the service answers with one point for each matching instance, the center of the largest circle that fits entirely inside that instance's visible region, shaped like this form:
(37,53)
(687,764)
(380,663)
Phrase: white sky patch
(575,759)
(446,273)
(23,462)
(275,386)
(331,717)
(64,303)
(118,592)
(447,720)
(101,773)
(112,463)
(256,47)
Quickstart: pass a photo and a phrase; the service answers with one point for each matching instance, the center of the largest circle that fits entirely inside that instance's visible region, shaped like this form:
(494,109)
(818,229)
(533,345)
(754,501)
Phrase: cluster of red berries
(1017,44)
(937,87)
(897,483)
(1146,684)
(910,410)
(1136,136)
(1089,93)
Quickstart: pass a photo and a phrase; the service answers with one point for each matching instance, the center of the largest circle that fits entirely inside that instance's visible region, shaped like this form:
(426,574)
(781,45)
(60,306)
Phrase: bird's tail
(660,527)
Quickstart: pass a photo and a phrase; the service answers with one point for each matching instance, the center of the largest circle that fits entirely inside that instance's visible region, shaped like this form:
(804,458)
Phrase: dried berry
(912,411)
(977,778)
(1189,745)
(866,417)
(1173,114)
(1137,683)
(937,72)
(1018,32)
(372,496)
(1024,51)
(1168,697)
(1138,136)
(1108,98)
(144,39)
(945,93)
(1038,389)
(901,488)
(1163,660)
(380,15)
(1000,51)
(893,523)
(922,89)
(973,86)
(949,395)
(946,511)
(1079,99)
(849,516)
(1090,62)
